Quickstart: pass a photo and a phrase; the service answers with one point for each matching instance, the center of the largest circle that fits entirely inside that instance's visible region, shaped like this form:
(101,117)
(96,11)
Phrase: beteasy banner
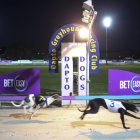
(121,82)
(25,81)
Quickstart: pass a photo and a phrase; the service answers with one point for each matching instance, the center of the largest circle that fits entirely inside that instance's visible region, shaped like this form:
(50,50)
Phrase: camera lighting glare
(84,33)
(107,22)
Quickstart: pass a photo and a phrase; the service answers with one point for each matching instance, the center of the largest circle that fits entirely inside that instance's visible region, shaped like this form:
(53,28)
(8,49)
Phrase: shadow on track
(24,122)
(92,123)
(124,135)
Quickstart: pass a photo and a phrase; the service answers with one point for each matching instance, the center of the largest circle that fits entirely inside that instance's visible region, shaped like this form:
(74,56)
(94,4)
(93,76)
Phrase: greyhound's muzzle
(136,110)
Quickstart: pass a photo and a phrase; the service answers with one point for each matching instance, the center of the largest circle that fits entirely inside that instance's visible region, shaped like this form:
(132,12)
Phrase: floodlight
(88,5)
(86,16)
(86,13)
(107,22)
(84,32)
(85,20)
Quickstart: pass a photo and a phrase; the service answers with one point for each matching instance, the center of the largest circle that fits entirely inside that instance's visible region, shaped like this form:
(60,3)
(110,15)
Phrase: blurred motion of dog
(111,105)
(33,102)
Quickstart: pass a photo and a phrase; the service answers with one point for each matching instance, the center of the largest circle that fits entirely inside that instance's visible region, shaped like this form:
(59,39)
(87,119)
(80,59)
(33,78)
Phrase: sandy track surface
(64,124)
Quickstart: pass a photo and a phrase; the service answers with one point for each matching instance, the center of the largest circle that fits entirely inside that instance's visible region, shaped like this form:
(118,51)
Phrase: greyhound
(112,106)
(32,103)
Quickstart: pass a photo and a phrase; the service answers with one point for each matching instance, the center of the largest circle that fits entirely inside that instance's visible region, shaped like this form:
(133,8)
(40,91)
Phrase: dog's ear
(134,108)
(56,96)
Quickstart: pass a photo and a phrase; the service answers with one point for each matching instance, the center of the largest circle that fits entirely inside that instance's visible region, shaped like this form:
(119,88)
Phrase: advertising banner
(122,82)
(21,82)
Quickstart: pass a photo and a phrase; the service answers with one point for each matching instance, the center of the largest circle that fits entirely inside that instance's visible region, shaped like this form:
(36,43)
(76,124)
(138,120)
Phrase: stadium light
(84,32)
(107,23)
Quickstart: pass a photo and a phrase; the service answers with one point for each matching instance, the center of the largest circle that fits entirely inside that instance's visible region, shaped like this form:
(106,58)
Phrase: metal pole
(73,37)
(106,47)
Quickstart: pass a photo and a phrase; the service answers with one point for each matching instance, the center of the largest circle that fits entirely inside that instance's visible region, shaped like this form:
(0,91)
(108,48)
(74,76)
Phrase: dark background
(26,26)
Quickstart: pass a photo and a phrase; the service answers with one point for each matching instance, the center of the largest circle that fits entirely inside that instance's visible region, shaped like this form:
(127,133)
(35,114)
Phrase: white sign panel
(82,76)
(68,52)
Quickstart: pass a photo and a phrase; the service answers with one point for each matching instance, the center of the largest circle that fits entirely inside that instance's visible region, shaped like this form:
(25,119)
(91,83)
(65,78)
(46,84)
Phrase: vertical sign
(82,75)
(55,44)
(70,50)
(67,75)
(94,55)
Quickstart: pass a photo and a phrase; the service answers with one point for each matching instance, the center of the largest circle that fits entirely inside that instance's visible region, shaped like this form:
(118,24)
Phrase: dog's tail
(17,105)
(84,109)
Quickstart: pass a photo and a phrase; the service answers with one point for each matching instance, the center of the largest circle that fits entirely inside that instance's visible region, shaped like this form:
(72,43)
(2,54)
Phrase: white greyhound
(32,103)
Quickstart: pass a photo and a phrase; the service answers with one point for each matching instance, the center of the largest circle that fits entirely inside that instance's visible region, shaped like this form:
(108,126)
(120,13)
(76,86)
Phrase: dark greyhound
(112,106)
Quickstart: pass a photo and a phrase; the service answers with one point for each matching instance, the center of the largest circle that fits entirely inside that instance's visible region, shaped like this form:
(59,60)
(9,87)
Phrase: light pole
(107,23)
(89,16)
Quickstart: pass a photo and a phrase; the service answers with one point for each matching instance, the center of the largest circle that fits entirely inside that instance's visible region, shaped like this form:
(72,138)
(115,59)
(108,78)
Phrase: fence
(5,100)
(46,62)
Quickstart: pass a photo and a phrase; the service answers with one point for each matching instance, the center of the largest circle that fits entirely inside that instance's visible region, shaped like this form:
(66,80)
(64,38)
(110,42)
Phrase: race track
(64,124)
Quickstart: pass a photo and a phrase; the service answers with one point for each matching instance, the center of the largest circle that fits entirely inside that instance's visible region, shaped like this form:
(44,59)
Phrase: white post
(106,47)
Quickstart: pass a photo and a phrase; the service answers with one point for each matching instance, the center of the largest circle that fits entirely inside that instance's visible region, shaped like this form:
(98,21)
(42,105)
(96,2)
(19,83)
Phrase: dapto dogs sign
(70,51)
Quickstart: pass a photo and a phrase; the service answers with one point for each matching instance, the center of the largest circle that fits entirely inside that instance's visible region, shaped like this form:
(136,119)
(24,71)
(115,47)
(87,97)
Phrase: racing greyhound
(112,106)
(32,103)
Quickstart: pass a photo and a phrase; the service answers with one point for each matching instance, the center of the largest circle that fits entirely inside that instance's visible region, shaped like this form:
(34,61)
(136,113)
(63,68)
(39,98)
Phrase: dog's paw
(30,118)
(127,127)
(81,117)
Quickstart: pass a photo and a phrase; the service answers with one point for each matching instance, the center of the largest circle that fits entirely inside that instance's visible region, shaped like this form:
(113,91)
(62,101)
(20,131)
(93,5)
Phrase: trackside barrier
(128,97)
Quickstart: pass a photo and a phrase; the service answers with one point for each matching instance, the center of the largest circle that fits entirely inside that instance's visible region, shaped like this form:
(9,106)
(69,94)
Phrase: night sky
(26,26)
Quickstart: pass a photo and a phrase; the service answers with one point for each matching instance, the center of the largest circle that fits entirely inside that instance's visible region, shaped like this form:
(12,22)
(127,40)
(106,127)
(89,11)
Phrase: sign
(21,82)
(70,51)
(94,55)
(55,44)
(123,82)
